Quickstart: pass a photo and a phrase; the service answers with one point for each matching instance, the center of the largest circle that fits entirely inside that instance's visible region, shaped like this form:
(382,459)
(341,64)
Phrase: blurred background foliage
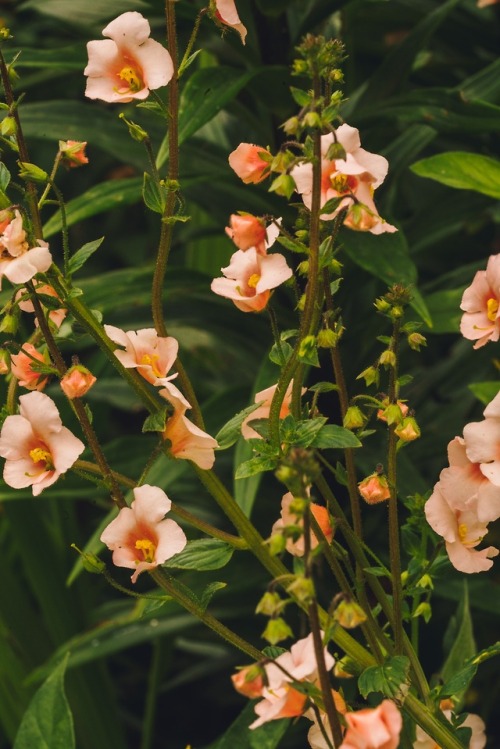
(422,78)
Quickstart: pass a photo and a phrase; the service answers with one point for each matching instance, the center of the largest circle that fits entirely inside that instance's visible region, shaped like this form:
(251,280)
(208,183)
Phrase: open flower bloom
(55,315)
(376,728)
(482,441)
(139,536)
(128,64)
(146,351)
(37,447)
(265,398)
(321,516)
(315,734)
(480,303)
(353,179)
(474,722)
(247,162)
(189,442)
(18,262)
(22,368)
(225,11)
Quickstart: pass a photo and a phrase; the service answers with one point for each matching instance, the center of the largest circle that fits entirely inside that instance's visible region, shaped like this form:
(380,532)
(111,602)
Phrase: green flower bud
(327,338)
(291,126)
(408,430)
(387,358)
(354,418)
(270,604)
(277,544)
(423,609)
(32,172)
(276,631)
(283,185)
(312,119)
(8,126)
(416,340)
(135,130)
(302,589)
(370,375)
(349,614)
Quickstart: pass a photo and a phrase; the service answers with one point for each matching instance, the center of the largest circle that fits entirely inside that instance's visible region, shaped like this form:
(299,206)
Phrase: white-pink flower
(320,514)
(18,262)
(474,722)
(22,367)
(265,398)
(152,355)
(127,65)
(250,277)
(35,444)
(55,315)
(189,442)
(139,536)
(480,303)
(482,441)
(226,13)
(353,179)
(373,728)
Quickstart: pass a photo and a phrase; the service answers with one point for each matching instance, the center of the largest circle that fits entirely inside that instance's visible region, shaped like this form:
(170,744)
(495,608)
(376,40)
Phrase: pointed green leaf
(82,255)
(267,736)
(464,645)
(230,432)
(334,436)
(202,554)
(154,195)
(391,679)
(462,170)
(255,465)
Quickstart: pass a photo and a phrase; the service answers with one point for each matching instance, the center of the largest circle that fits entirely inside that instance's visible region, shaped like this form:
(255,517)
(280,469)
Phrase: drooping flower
(474,722)
(321,515)
(353,179)
(373,728)
(250,162)
(480,304)
(77,382)
(189,442)
(225,11)
(139,536)
(22,367)
(127,65)
(73,152)
(35,444)
(18,262)
(152,355)
(55,315)
(265,398)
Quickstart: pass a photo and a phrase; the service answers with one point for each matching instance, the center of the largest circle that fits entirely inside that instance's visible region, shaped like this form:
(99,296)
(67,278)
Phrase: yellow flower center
(39,455)
(151,361)
(148,549)
(492,306)
(340,182)
(132,78)
(253,280)
(462,534)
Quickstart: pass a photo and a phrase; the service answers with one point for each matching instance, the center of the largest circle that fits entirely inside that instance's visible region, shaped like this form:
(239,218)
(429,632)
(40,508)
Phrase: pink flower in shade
(77,382)
(376,728)
(189,442)
(480,303)
(18,263)
(22,368)
(127,65)
(265,398)
(37,447)
(146,351)
(250,277)
(484,3)
(482,441)
(354,177)
(73,152)
(55,315)
(247,162)
(139,537)
(249,232)
(474,722)
(321,516)
(226,13)
(248,681)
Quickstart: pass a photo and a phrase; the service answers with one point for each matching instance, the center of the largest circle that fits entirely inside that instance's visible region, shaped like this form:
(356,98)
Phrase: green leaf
(231,431)
(4,177)
(485,391)
(156,422)
(323,387)
(154,194)
(301,433)
(464,645)
(293,245)
(48,723)
(334,436)
(83,12)
(460,681)
(302,98)
(255,465)
(280,355)
(267,736)
(202,554)
(81,256)
(391,679)
(462,170)
(444,310)
(209,593)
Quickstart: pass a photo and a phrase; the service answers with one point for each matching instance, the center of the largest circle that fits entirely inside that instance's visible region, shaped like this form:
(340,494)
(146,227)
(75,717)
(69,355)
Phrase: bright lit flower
(480,303)
(265,398)
(226,13)
(37,447)
(374,489)
(55,315)
(22,367)
(247,162)
(474,722)
(321,516)
(139,537)
(250,277)
(128,64)
(189,442)
(77,382)
(18,263)
(353,179)
(377,728)
(146,351)
(73,152)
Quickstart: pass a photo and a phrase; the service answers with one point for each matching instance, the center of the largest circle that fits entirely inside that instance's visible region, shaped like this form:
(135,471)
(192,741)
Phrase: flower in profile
(250,277)
(250,162)
(56,316)
(247,231)
(152,355)
(226,13)
(140,537)
(248,681)
(480,304)
(265,398)
(22,367)
(77,382)
(351,179)
(187,441)
(373,728)
(18,262)
(35,444)
(482,441)
(320,514)
(474,722)
(127,65)
(73,153)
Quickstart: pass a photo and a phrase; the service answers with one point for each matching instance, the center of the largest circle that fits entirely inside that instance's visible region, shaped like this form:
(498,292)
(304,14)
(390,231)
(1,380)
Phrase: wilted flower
(22,367)
(225,11)
(128,64)
(139,536)
(480,303)
(247,162)
(37,447)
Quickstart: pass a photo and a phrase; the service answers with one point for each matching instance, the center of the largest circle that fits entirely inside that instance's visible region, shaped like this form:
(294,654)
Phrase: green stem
(191,41)
(154,678)
(53,173)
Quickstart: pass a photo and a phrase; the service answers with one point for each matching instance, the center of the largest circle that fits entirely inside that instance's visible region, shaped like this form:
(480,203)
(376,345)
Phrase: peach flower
(77,382)
(247,162)
(480,303)
(18,262)
(73,152)
(22,368)
(321,516)
(225,11)
(315,734)
(55,315)
(374,489)
(247,231)
(482,441)
(37,447)
(377,728)
(248,681)
(474,722)
(265,398)
(127,65)
(189,442)
(485,3)
(152,355)
(354,179)
(139,536)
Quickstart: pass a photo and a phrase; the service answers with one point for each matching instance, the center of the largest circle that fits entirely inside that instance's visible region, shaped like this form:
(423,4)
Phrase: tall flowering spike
(226,13)
(127,65)
(152,355)
(35,444)
(352,179)
(139,536)
(18,262)
(22,368)
(250,277)
(480,304)
(250,162)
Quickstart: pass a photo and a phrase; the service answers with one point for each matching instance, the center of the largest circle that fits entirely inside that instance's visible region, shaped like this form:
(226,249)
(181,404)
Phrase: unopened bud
(327,338)
(370,375)
(249,681)
(90,562)
(302,235)
(312,119)
(136,131)
(424,610)
(291,126)
(276,631)
(73,152)
(392,414)
(77,382)
(408,430)
(349,614)
(307,348)
(397,312)
(277,544)
(298,506)
(10,322)
(387,358)
(283,185)
(354,418)
(8,126)
(382,304)
(374,488)
(270,604)
(416,340)
(425,582)
(301,303)
(32,172)
(336,151)
(303,268)
(302,589)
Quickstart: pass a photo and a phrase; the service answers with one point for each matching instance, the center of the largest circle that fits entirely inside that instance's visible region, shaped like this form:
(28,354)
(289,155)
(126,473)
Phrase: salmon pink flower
(139,537)
(22,367)
(480,303)
(484,4)
(18,262)
(250,277)
(474,722)
(189,442)
(315,735)
(482,441)
(248,231)
(352,179)
(377,728)
(319,513)
(151,354)
(374,488)
(73,152)
(265,398)
(127,65)
(250,162)
(37,447)
(226,13)
(55,315)
(248,681)
(77,382)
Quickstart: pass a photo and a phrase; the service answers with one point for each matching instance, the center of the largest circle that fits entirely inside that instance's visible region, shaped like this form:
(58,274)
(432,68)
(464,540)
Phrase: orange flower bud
(77,381)
(374,488)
